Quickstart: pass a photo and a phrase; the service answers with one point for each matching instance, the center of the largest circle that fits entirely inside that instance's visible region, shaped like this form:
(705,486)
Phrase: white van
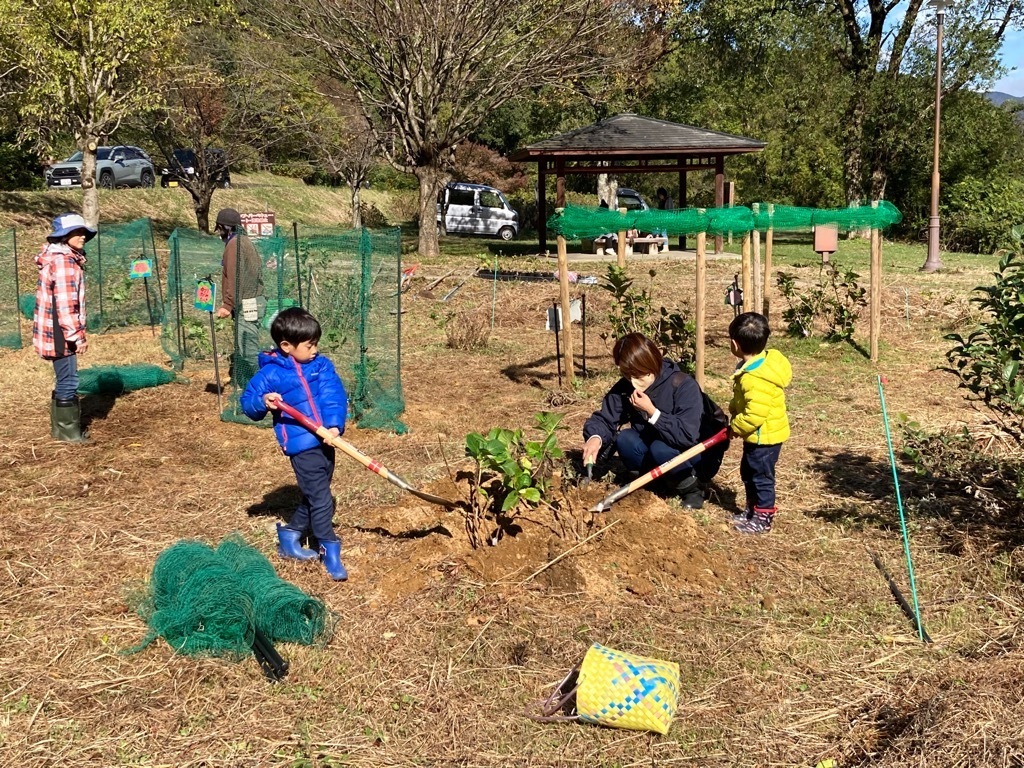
(476,209)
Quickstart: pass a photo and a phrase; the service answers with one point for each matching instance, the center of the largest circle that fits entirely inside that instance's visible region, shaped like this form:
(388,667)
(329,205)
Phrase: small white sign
(575,314)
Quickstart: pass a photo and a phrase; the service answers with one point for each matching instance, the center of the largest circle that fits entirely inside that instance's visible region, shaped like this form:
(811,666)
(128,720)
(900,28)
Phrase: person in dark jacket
(295,374)
(651,415)
(241,292)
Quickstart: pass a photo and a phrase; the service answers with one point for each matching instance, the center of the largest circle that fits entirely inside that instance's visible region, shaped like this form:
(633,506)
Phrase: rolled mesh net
(119,379)
(211,601)
(10,301)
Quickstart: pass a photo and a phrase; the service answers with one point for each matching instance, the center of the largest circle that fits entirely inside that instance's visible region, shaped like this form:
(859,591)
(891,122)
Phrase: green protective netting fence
(122,284)
(119,379)
(10,300)
(205,600)
(583,222)
(189,333)
(350,282)
(348,279)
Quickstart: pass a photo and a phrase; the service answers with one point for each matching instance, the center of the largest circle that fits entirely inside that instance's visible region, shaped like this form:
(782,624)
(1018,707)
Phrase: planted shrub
(828,308)
(987,361)
(632,311)
(511,474)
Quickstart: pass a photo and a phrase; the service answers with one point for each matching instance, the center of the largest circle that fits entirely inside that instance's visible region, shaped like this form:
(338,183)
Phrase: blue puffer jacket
(312,388)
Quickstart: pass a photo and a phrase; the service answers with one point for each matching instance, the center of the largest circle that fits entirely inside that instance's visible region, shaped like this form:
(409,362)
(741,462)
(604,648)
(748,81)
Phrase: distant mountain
(998,97)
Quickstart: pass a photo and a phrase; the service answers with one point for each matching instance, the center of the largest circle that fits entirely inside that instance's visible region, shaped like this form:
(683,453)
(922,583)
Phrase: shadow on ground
(279,503)
(96,407)
(860,492)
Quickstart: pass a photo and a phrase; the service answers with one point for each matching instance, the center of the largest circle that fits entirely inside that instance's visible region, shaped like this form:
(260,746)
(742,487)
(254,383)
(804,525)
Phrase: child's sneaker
(761,522)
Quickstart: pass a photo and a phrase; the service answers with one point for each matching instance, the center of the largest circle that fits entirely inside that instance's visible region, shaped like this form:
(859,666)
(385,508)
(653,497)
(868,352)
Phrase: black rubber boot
(690,493)
(54,432)
(68,414)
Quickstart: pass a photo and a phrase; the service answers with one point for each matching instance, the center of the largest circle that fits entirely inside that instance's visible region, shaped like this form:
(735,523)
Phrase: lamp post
(934,260)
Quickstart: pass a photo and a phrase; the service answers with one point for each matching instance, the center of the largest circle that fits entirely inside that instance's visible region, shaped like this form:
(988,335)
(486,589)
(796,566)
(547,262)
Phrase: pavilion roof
(639,137)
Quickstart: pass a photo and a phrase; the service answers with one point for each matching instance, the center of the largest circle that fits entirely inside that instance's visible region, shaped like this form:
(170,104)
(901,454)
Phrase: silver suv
(120,166)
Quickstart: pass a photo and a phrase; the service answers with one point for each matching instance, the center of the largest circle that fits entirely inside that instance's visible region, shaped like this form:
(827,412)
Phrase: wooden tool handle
(335,440)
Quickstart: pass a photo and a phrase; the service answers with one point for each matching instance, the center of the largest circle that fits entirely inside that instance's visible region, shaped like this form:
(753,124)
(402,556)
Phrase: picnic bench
(649,244)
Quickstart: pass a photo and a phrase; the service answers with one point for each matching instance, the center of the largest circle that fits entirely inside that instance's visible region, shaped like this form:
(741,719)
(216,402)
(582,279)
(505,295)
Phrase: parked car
(632,200)
(476,209)
(183,166)
(120,166)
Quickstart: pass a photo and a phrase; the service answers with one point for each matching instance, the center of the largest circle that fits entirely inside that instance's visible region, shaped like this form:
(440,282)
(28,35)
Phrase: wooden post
(680,204)
(719,193)
(563,295)
(542,207)
(875,300)
(748,297)
(755,272)
(700,320)
(621,243)
(766,283)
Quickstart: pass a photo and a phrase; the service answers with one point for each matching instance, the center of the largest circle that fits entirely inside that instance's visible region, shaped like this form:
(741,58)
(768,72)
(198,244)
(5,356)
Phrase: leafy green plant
(632,311)
(197,336)
(988,360)
(830,307)
(511,472)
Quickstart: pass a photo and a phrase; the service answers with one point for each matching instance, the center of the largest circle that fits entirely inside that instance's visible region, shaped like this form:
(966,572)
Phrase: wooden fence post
(755,267)
(876,289)
(621,250)
(700,321)
(563,295)
(748,294)
(766,282)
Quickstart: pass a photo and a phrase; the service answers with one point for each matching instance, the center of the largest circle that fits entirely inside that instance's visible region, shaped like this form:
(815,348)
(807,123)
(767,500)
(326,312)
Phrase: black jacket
(682,423)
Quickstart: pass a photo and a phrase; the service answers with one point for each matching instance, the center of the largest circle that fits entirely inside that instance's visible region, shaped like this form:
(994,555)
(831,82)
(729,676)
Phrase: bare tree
(193,122)
(340,139)
(427,73)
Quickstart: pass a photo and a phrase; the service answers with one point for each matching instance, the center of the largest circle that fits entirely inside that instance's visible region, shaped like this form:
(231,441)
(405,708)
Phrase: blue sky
(1013,56)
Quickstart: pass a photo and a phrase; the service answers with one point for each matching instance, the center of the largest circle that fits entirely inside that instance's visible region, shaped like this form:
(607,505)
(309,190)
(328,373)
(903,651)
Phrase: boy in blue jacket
(295,374)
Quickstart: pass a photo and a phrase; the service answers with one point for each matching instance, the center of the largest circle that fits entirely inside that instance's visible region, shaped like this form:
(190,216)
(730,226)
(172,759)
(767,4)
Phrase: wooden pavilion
(629,143)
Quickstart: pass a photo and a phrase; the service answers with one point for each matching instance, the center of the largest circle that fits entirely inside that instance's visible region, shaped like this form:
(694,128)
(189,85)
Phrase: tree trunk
(201,205)
(853,161)
(90,197)
(357,218)
(202,195)
(431,181)
(607,189)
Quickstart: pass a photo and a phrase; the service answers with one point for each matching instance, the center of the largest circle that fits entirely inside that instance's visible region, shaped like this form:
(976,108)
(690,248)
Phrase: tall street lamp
(934,260)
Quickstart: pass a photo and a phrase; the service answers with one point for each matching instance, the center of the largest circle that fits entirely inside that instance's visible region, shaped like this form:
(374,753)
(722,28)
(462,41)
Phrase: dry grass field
(791,647)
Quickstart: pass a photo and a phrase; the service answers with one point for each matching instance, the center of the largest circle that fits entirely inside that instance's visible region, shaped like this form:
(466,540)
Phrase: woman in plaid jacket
(58,326)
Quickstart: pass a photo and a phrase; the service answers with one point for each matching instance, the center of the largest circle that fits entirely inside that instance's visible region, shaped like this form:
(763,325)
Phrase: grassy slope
(290,199)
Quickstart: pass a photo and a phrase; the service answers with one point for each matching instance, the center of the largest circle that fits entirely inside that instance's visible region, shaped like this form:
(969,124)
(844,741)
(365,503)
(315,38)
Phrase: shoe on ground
(760,523)
(742,517)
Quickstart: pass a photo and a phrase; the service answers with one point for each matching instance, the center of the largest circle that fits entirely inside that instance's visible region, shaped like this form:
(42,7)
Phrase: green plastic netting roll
(210,601)
(119,379)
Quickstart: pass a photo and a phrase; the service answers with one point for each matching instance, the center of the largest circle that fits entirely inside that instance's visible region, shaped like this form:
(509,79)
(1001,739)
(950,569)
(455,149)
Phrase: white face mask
(643,382)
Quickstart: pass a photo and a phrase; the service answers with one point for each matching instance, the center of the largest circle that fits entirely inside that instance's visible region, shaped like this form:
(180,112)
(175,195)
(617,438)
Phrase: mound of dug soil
(640,545)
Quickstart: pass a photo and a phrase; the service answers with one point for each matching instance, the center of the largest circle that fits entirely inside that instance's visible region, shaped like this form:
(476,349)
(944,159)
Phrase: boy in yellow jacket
(758,409)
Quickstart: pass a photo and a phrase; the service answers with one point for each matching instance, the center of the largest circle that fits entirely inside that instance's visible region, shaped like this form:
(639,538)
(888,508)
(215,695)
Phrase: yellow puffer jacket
(758,404)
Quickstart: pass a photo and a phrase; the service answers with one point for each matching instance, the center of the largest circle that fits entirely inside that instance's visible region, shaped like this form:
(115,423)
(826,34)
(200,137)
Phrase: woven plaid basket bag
(616,689)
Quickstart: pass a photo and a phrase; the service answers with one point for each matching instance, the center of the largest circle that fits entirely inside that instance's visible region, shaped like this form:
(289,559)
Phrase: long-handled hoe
(371,464)
(605,504)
